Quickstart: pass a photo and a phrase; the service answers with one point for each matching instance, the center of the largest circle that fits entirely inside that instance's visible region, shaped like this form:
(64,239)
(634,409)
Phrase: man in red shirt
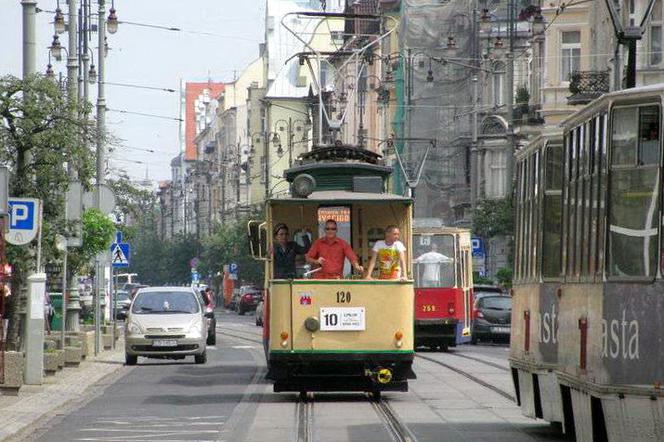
(329,252)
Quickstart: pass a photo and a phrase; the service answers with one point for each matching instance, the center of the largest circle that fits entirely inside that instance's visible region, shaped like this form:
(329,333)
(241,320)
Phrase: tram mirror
(257,239)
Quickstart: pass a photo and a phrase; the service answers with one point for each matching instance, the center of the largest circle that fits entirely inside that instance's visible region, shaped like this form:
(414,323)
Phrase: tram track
(467,375)
(481,361)
(304,412)
(399,432)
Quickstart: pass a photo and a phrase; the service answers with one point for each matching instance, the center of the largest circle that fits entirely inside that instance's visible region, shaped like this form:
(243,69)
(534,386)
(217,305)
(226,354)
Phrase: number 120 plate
(342,318)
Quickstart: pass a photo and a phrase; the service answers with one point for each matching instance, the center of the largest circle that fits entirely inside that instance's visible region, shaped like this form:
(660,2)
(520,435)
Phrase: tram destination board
(342,319)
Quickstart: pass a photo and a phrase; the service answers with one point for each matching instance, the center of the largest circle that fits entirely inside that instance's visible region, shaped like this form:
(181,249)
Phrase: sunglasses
(330,228)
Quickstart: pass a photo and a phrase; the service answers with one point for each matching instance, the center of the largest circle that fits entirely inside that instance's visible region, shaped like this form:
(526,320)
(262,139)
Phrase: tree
(40,132)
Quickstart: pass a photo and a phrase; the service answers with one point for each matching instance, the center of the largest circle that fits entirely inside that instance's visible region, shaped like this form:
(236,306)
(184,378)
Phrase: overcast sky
(218,37)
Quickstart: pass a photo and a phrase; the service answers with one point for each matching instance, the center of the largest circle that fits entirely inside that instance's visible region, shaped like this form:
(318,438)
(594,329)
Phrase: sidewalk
(35,402)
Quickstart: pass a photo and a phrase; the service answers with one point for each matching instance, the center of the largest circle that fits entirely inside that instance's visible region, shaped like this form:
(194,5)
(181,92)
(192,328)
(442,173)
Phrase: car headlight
(195,328)
(135,329)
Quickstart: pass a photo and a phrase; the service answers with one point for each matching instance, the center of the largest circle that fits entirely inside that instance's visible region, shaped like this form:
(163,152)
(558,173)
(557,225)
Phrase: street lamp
(112,20)
(56,48)
(59,21)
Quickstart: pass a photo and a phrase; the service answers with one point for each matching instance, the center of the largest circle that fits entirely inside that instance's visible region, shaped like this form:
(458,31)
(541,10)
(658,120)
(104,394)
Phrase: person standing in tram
(329,253)
(390,255)
(285,251)
(432,261)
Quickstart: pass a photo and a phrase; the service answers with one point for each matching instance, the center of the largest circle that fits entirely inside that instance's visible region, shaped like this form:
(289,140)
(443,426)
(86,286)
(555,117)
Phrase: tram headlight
(284,338)
(398,336)
(312,324)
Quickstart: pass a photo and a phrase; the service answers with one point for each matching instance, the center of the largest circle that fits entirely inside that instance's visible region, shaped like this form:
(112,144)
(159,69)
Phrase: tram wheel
(303,396)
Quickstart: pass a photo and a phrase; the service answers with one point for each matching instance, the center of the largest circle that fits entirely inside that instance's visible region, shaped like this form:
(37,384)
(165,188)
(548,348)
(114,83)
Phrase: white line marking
(243,346)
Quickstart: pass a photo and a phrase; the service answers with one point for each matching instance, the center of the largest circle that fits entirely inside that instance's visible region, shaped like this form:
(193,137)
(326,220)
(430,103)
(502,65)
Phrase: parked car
(167,323)
(238,294)
(491,318)
(122,303)
(248,301)
(208,306)
(260,312)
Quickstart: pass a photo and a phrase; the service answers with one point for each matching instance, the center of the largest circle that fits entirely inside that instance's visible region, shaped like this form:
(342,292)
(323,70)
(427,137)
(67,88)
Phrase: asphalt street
(228,399)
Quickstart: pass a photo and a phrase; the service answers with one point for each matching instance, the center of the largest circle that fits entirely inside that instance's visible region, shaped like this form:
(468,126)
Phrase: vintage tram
(442,272)
(348,334)
(588,298)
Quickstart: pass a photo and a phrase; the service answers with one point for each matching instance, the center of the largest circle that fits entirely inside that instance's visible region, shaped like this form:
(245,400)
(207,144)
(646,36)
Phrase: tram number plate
(500,329)
(342,318)
(165,343)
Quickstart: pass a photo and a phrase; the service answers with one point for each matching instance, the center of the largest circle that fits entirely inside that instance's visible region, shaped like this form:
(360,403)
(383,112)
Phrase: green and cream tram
(348,334)
(587,347)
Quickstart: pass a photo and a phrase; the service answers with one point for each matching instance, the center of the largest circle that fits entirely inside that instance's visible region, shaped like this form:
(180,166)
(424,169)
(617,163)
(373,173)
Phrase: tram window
(634,203)
(434,260)
(649,135)
(552,207)
(623,136)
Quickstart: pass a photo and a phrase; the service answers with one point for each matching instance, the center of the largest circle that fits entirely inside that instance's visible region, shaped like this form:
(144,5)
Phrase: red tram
(442,270)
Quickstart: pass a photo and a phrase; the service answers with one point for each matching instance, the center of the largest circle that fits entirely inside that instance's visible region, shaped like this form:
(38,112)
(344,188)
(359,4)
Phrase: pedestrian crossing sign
(119,252)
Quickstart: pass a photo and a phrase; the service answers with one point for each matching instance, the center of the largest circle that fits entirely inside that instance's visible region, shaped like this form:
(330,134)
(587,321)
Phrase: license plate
(500,329)
(342,319)
(165,343)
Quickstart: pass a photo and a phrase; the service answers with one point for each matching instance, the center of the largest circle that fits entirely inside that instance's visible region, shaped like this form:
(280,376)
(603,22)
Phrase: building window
(495,170)
(570,53)
(656,34)
(498,84)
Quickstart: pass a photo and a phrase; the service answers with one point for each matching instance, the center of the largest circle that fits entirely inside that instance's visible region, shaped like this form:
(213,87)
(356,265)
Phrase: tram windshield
(433,260)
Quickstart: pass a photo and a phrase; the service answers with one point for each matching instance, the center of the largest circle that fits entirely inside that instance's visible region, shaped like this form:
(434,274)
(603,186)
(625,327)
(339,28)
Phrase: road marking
(239,347)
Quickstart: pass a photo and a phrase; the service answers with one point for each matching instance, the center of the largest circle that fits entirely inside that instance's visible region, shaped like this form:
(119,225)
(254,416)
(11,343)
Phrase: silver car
(167,323)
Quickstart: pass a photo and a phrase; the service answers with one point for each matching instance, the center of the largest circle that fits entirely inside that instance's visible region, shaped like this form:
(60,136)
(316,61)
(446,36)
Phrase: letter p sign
(24,220)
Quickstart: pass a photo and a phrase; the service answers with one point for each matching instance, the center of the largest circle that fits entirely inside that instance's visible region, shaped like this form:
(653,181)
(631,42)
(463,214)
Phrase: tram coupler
(381,375)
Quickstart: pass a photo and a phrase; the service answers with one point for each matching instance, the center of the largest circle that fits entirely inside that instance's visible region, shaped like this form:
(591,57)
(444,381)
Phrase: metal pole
(101,115)
(85,56)
(290,141)
(29,37)
(266,155)
(114,280)
(72,56)
(630,78)
(474,169)
(63,325)
(510,102)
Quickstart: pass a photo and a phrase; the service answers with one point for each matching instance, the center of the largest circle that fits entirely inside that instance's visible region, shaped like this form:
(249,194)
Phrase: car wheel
(211,339)
(240,311)
(130,359)
(201,359)
(473,339)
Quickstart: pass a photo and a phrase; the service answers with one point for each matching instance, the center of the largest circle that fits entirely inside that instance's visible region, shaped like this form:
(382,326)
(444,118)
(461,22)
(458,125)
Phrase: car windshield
(497,302)
(122,296)
(165,302)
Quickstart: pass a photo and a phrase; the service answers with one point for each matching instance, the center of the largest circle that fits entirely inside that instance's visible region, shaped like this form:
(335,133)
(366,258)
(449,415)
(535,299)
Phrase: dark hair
(278,227)
(330,221)
(390,228)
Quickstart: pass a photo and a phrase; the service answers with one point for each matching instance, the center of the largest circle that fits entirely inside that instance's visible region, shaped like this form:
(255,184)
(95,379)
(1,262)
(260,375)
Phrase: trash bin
(56,300)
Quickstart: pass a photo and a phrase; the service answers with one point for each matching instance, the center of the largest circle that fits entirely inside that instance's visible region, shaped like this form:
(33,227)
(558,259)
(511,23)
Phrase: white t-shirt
(432,261)
(387,257)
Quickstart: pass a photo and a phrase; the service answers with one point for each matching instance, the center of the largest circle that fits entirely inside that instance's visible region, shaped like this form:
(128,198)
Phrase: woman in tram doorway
(285,251)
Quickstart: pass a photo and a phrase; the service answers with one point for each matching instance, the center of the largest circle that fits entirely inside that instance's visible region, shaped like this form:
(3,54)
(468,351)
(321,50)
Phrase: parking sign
(24,220)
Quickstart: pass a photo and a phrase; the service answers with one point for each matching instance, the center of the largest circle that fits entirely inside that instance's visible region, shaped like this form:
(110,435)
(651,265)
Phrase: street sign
(195,277)
(478,247)
(232,270)
(120,252)
(24,220)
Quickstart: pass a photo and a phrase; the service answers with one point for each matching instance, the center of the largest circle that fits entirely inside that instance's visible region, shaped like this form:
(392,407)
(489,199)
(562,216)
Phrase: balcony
(527,115)
(585,86)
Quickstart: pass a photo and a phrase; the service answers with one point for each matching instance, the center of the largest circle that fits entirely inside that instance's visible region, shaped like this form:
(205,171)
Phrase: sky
(218,39)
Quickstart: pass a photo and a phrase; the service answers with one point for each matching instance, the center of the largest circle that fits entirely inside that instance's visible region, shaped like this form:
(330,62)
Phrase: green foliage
(504,277)
(98,231)
(130,199)
(481,280)
(522,95)
(40,132)
(494,218)
(229,244)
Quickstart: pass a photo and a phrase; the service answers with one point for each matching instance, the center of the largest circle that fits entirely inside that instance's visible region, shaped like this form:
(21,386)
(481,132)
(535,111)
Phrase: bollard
(34,327)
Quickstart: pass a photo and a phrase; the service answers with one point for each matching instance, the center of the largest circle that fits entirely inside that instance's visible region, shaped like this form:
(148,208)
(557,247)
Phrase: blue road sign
(195,277)
(120,252)
(23,220)
(232,268)
(478,247)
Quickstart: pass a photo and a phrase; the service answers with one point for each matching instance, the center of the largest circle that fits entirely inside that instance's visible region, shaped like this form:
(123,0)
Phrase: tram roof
(605,100)
(340,196)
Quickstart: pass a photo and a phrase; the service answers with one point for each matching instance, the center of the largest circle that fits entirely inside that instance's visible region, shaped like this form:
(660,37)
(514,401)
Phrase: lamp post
(290,127)
(266,137)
